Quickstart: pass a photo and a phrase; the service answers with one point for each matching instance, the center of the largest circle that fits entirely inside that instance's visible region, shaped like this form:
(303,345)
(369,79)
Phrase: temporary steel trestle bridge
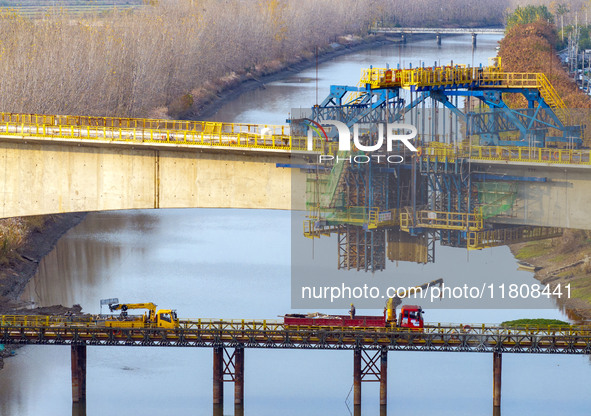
(229,339)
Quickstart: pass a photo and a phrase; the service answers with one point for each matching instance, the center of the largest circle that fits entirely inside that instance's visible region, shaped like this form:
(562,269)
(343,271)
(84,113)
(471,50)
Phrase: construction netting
(496,198)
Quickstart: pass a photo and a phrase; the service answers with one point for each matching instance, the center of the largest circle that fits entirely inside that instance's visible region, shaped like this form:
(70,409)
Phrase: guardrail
(130,130)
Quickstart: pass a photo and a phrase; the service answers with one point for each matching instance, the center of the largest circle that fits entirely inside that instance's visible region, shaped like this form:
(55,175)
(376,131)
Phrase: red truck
(411,316)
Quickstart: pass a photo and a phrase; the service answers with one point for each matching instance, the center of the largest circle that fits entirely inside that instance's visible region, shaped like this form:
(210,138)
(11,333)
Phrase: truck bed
(334,320)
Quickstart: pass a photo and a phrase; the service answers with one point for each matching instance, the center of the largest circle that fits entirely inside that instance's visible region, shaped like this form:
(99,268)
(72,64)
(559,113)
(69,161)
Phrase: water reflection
(96,246)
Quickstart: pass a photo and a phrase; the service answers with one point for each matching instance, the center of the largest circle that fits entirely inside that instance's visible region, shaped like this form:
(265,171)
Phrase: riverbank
(22,267)
(559,262)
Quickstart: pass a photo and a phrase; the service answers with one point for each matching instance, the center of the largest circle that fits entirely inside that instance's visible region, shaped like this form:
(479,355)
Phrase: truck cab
(167,318)
(411,316)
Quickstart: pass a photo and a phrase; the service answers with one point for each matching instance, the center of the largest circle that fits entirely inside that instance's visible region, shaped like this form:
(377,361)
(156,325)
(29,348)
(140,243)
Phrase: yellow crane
(163,318)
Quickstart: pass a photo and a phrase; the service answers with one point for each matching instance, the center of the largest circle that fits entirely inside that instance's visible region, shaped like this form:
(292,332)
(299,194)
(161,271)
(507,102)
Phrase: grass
(537,322)
(534,249)
(581,289)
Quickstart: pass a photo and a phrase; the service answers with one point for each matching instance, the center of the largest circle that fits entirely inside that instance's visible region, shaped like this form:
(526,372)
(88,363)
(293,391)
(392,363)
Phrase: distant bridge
(438,31)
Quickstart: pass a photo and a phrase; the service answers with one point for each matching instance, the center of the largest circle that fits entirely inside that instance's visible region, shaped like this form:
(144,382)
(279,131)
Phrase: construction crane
(410,315)
(163,318)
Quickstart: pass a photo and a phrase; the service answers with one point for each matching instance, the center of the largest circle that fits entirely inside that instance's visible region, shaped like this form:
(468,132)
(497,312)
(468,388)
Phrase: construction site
(382,206)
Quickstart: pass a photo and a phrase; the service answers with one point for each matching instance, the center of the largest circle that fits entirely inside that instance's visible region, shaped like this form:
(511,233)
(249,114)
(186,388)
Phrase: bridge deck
(227,136)
(274,334)
(440,30)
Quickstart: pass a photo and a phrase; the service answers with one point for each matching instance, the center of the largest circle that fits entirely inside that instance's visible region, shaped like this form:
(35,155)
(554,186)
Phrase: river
(209,263)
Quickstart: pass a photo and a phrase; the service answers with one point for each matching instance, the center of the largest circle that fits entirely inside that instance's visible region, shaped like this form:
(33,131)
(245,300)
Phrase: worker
(352,311)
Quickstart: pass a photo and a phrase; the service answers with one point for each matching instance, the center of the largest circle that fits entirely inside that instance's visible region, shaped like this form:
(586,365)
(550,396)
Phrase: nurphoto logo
(395,132)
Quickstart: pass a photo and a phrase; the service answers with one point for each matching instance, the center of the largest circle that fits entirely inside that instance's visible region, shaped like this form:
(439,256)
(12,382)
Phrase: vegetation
(444,13)
(160,55)
(13,234)
(529,14)
(538,323)
(532,48)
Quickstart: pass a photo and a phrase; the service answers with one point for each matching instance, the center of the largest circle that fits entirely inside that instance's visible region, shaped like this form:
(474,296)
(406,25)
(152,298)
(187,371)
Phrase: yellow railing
(478,240)
(132,130)
(488,77)
(441,220)
(529,154)
(432,76)
(441,151)
(259,326)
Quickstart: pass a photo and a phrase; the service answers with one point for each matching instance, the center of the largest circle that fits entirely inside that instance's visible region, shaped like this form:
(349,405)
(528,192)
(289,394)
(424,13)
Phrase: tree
(529,14)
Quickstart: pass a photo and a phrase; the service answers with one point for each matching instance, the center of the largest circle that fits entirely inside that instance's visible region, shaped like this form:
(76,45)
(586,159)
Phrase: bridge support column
(228,368)
(218,381)
(383,382)
(497,361)
(239,382)
(438,37)
(78,356)
(357,381)
(473,40)
(403,38)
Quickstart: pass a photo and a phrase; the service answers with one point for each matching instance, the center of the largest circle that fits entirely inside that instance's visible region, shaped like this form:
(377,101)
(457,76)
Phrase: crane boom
(126,306)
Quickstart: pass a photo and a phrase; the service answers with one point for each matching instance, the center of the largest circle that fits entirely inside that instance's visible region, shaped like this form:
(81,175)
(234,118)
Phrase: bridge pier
(357,382)
(497,364)
(384,382)
(366,369)
(78,356)
(438,37)
(239,382)
(403,37)
(218,381)
(228,368)
(473,40)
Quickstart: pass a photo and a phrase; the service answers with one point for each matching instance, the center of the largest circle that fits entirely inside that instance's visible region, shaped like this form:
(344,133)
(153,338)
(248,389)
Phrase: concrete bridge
(404,32)
(56,164)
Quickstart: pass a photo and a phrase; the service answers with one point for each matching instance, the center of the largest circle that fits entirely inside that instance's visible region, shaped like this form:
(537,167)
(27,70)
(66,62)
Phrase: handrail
(129,130)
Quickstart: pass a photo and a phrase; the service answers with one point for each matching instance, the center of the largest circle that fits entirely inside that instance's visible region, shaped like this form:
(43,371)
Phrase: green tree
(529,14)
